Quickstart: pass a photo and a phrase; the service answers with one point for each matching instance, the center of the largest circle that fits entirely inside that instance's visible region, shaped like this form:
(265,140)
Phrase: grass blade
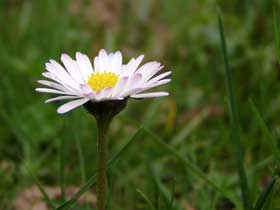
(156,196)
(276,33)
(145,197)
(47,199)
(188,165)
(164,192)
(189,127)
(81,160)
(235,124)
(265,194)
(18,133)
(265,130)
(61,169)
(92,180)
(268,203)
(82,164)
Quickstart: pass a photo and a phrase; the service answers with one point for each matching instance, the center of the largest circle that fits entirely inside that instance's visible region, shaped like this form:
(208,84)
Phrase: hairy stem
(102,126)
(103,112)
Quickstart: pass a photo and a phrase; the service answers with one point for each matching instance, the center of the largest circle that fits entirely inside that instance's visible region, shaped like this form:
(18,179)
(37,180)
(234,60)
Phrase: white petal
(59,82)
(147,87)
(149,69)
(54,78)
(72,68)
(119,87)
(115,63)
(132,83)
(57,70)
(150,95)
(158,83)
(53,85)
(86,90)
(84,65)
(106,93)
(71,105)
(96,96)
(47,90)
(133,91)
(135,79)
(103,60)
(58,98)
(102,95)
(97,65)
(132,65)
(159,77)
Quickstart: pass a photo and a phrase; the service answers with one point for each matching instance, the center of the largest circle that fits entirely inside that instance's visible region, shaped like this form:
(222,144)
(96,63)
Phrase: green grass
(213,144)
(235,122)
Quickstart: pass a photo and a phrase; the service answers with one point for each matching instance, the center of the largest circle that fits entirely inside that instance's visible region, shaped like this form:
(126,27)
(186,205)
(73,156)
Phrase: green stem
(102,126)
(103,112)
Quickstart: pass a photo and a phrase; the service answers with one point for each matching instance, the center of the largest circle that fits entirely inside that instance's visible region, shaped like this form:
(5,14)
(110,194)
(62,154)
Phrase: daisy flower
(108,79)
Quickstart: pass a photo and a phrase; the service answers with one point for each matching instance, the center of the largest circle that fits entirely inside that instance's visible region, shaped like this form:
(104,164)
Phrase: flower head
(108,80)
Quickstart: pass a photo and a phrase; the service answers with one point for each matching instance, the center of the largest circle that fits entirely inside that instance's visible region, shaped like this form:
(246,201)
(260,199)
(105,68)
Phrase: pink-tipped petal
(119,87)
(86,90)
(106,93)
(148,70)
(133,83)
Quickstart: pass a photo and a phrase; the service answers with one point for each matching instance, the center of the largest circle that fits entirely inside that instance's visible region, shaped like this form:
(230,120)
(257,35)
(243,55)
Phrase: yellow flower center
(99,81)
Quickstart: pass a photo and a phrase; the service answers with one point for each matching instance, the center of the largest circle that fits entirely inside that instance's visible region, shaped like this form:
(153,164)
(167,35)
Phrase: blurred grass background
(183,36)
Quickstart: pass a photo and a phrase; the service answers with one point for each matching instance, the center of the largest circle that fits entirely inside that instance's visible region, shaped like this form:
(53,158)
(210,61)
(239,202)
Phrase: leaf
(188,128)
(276,33)
(41,188)
(265,194)
(164,192)
(145,197)
(189,165)
(265,130)
(235,124)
